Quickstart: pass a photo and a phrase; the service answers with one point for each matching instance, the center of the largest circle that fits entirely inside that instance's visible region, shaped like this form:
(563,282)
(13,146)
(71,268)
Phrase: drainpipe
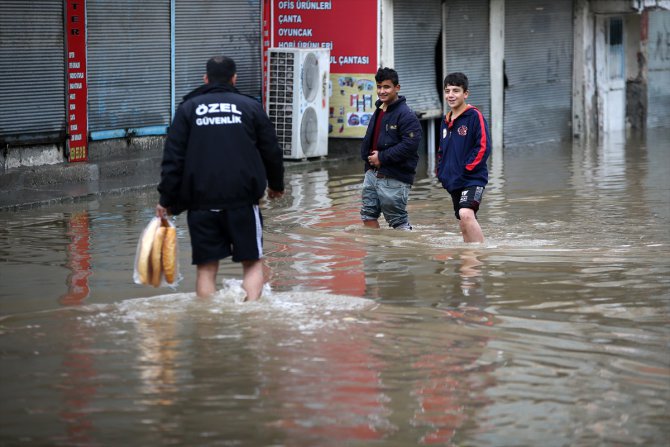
(496,63)
(386,33)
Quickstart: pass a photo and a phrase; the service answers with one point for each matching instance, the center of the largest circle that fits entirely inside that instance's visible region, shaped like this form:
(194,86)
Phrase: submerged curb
(25,188)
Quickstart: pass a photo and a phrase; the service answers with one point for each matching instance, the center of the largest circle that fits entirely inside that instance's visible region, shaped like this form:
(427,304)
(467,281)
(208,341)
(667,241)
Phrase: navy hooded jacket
(398,141)
(221,151)
(465,146)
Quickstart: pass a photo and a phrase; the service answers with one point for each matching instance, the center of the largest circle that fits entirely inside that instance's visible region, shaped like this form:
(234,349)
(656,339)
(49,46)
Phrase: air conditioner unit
(297,100)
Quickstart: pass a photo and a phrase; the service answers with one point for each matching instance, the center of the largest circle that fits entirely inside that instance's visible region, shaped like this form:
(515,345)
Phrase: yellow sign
(352,103)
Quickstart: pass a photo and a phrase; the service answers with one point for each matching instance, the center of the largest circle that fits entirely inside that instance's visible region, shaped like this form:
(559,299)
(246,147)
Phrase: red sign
(347,27)
(267,43)
(77,112)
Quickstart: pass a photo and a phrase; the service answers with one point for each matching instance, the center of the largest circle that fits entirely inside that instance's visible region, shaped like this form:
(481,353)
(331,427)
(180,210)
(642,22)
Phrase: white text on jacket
(215,108)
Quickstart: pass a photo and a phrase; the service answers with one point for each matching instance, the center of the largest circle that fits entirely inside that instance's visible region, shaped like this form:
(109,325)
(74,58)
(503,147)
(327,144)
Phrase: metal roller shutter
(467,42)
(538,65)
(32,85)
(128,63)
(416,28)
(206,28)
(658,77)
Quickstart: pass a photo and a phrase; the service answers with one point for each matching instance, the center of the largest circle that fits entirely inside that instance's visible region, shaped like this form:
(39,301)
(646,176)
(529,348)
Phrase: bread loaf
(156,250)
(169,257)
(146,243)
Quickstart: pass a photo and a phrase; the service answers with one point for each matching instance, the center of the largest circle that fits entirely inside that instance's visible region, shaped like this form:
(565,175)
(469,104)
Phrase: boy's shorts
(468,197)
(217,234)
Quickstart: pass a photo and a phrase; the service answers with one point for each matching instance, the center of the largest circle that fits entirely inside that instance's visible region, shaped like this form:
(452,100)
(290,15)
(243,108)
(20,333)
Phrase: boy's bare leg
(205,283)
(371,223)
(470,228)
(252,281)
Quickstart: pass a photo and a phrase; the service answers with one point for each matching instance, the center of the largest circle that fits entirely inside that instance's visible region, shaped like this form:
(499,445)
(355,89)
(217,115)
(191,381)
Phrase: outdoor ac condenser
(297,100)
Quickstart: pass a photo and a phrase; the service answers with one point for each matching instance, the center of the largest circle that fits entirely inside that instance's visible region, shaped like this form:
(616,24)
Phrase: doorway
(611,58)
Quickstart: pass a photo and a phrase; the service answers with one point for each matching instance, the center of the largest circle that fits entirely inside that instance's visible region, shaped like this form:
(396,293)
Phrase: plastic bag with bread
(156,257)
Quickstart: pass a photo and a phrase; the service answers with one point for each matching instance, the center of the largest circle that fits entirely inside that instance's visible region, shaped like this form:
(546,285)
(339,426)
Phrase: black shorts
(468,197)
(215,235)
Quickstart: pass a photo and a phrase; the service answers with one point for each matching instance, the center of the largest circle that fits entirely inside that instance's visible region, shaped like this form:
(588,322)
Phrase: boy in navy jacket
(390,151)
(465,145)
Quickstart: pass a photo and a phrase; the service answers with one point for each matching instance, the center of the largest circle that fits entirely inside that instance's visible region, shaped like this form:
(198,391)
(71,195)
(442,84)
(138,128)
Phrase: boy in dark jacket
(390,150)
(465,146)
(219,151)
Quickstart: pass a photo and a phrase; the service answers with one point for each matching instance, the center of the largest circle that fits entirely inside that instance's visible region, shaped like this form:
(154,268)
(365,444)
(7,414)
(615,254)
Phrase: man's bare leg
(371,223)
(205,283)
(252,281)
(470,228)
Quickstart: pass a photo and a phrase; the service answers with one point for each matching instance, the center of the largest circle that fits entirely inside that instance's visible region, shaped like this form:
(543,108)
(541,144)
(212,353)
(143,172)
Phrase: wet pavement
(553,332)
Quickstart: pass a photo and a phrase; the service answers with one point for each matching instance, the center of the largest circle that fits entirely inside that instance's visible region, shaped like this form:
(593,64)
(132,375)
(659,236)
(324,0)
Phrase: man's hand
(161,211)
(373,159)
(272,194)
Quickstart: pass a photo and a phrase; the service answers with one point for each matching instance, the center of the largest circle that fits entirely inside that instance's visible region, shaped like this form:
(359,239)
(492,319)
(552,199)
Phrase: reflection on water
(553,332)
(79,259)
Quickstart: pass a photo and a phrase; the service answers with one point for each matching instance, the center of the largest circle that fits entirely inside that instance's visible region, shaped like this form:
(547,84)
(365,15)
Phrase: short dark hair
(457,79)
(387,74)
(221,69)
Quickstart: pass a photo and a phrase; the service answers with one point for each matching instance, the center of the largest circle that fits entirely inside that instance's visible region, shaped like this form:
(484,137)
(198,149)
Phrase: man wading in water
(219,151)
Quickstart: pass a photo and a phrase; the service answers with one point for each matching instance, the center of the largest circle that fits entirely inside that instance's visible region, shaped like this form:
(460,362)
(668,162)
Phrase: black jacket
(219,151)
(398,141)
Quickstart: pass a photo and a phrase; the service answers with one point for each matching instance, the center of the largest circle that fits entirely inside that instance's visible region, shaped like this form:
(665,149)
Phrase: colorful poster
(77,110)
(349,28)
(351,104)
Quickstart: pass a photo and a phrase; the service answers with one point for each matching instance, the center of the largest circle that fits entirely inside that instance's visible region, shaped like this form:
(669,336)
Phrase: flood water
(554,332)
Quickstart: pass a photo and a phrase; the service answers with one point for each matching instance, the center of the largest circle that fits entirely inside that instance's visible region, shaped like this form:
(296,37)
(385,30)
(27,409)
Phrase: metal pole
(430,147)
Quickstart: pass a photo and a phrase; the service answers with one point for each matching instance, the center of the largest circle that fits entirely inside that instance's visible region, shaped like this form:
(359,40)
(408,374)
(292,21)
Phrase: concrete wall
(584,107)
(14,157)
(104,150)
(636,84)
(658,69)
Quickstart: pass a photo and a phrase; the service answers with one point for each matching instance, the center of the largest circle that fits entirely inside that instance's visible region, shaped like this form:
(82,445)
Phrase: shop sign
(76,84)
(349,28)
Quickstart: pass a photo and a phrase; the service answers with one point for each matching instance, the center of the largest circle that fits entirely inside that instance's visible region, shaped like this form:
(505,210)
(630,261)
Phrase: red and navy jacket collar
(447,118)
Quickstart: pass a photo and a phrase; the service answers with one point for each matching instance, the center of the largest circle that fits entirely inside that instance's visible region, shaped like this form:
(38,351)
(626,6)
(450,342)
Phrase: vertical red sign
(76,85)
(266,13)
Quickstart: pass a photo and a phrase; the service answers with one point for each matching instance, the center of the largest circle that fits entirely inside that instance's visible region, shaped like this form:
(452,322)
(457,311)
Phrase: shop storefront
(128,58)
(538,69)
(204,28)
(134,61)
(416,29)
(137,61)
(32,85)
(467,43)
(140,66)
